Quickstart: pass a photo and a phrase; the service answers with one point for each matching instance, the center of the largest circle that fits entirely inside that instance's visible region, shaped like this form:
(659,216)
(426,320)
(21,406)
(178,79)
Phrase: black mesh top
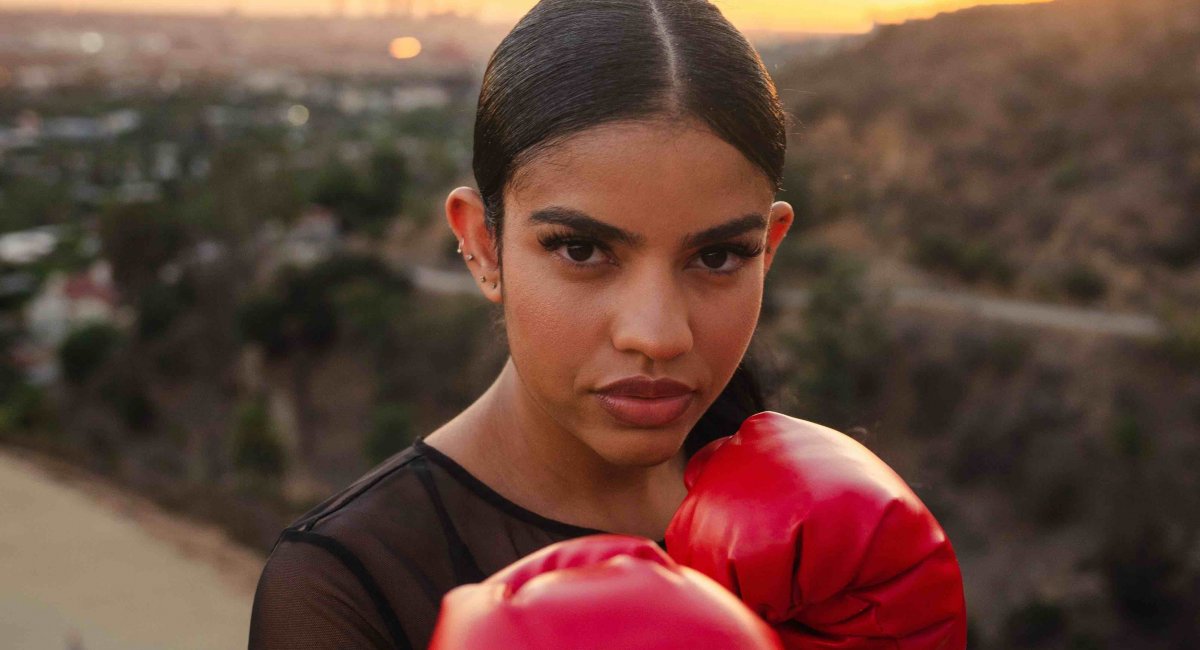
(367,568)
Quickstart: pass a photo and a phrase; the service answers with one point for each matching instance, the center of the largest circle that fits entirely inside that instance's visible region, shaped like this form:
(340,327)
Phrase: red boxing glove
(600,591)
(821,538)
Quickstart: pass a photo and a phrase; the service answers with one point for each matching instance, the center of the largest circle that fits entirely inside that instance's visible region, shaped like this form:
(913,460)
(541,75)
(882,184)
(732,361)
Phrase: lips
(644,402)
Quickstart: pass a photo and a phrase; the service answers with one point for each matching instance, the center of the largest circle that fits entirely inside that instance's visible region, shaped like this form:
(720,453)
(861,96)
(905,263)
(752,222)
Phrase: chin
(640,447)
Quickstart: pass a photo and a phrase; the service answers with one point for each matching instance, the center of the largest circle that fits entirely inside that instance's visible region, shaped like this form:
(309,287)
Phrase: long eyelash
(552,240)
(741,250)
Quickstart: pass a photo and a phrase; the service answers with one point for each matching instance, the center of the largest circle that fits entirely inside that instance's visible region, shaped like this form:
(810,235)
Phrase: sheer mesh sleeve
(310,595)
(368,567)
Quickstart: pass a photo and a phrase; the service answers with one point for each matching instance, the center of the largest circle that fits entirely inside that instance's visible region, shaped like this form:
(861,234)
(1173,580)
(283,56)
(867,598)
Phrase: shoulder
(350,560)
(389,477)
(386,517)
(307,597)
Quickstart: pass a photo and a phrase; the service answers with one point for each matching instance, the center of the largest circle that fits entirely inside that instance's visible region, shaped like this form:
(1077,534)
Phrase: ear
(465,214)
(781,217)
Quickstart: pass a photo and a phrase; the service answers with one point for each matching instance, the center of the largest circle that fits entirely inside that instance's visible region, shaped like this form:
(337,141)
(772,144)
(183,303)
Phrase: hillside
(1049,151)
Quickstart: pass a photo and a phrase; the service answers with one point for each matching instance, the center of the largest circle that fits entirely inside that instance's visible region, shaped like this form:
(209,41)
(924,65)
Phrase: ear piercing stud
(460,245)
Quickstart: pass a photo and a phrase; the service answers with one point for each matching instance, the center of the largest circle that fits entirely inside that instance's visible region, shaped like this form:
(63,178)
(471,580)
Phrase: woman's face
(634,250)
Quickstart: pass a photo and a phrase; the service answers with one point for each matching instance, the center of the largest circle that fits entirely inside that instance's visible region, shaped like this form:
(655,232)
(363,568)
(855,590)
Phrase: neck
(511,444)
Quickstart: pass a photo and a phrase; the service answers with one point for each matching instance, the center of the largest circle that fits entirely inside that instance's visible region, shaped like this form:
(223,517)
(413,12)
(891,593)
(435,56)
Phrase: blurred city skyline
(849,16)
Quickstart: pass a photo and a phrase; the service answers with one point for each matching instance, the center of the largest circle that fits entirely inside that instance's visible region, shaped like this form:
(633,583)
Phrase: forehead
(681,174)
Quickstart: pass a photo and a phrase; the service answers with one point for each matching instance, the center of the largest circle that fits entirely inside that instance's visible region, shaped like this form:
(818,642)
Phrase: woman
(627,153)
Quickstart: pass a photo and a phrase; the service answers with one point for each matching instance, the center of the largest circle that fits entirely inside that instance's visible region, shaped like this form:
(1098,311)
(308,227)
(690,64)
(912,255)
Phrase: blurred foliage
(29,202)
(158,306)
(392,429)
(804,259)
(980,141)
(249,184)
(300,310)
(86,349)
(1081,282)
(939,388)
(1128,437)
(842,348)
(971,261)
(127,394)
(24,408)
(1036,624)
(256,447)
(1146,573)
(1181,344)
(138,239)
(365,201)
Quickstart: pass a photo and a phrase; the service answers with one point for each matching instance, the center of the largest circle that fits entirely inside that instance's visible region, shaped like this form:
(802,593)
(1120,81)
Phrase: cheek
(722,325)
(551,328)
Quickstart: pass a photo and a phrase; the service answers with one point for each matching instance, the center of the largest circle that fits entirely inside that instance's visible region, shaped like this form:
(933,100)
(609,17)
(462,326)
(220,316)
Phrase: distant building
(408,98)
(82,129)
(166,161)
(313,238)
(64,303)
(27,246)
(39,363)
(69,301)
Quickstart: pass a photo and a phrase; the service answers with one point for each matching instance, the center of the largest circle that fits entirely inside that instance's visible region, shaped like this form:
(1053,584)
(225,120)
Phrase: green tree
(138,239)
(86,349)
(28,202)
(392,429)
(842,348)
(256,446)
(298,320)
(365,201)
(158,306)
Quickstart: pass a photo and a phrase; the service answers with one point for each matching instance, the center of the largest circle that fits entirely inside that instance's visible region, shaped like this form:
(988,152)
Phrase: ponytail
(743,396)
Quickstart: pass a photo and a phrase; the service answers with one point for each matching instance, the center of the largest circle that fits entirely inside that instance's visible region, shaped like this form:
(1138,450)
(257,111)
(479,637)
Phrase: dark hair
(570,65)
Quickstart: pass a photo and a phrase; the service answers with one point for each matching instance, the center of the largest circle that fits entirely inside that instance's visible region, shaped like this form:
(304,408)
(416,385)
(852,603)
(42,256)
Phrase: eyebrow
(597,229)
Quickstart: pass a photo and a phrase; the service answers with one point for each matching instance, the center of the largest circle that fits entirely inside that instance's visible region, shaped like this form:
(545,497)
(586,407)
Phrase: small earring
(493,285)
(460,243)
(470,257)
(483,278)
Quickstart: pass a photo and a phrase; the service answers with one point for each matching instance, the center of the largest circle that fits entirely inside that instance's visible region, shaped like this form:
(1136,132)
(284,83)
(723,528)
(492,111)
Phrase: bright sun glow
(405,47)
(772,15)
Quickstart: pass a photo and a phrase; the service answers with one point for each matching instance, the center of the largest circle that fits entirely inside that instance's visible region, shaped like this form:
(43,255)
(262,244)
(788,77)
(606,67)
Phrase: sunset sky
(774,15)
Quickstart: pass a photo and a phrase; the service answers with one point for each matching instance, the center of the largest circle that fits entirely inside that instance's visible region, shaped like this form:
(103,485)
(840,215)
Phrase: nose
(652,317)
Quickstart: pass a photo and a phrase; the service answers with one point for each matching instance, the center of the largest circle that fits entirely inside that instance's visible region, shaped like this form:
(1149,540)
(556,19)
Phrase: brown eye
(580,252)
(715,259)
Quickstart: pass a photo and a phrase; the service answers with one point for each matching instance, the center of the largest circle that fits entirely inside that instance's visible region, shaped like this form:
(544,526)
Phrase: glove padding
(600,591)
(821,538)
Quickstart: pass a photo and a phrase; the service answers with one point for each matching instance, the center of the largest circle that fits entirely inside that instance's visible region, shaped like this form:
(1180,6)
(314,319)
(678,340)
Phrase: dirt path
(1017,312)
(85,566)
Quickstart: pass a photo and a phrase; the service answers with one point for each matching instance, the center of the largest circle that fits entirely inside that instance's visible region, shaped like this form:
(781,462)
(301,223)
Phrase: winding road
(84,566)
